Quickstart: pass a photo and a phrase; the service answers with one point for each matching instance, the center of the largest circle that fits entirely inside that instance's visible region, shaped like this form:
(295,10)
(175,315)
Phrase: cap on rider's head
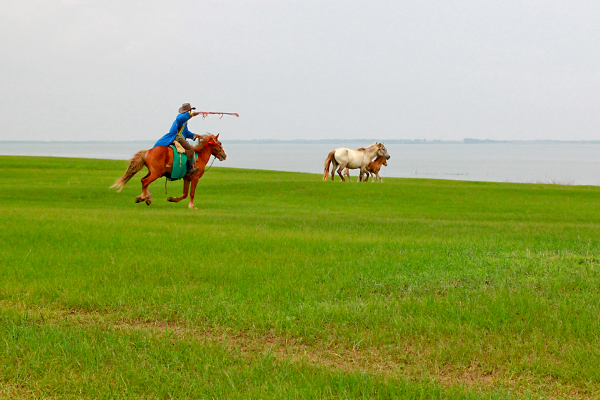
(185,107)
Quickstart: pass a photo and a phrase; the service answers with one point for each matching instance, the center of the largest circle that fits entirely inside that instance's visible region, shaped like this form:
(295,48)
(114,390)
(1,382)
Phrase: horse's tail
(328,161)
(136,163)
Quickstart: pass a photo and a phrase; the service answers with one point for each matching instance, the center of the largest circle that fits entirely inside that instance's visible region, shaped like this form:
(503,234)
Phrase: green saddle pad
(179,164)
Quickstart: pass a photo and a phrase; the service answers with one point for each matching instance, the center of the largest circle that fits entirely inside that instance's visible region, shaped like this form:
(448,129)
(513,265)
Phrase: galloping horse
(159,160)
(347,158)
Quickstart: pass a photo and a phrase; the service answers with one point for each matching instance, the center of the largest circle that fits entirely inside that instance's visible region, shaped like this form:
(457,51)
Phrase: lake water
(562,163)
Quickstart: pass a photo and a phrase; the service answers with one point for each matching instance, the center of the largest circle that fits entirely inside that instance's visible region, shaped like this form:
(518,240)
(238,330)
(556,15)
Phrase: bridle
(214,157)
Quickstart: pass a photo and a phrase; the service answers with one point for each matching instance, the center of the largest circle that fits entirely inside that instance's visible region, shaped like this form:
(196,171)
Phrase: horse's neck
(371,151)
(203,155)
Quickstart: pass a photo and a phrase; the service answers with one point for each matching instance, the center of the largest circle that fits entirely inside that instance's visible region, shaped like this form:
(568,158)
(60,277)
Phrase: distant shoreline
(524,161)
(326,141)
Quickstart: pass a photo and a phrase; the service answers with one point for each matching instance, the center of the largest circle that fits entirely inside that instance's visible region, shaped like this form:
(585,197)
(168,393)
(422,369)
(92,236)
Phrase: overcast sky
(410,69)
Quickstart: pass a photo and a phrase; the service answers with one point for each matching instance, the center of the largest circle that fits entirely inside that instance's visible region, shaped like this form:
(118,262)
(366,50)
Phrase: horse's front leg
(186,187)
(361,176)
(193,192)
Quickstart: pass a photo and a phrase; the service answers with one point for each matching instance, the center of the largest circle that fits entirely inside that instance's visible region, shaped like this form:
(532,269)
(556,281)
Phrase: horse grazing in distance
(159,161)
(342,157)
(374,167)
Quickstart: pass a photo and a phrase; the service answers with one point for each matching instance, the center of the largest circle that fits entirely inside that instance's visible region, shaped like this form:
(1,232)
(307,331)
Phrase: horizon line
(464,140)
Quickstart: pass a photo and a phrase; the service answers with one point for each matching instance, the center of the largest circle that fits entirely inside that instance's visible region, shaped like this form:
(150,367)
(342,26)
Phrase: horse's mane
(203,139)
(363,149)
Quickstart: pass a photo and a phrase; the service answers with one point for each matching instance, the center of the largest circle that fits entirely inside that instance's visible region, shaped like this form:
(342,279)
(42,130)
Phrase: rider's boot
(190,167)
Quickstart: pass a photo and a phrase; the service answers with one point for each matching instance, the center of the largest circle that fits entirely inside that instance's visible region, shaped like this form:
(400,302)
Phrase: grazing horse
(342,157)
(374,167)
(159,161)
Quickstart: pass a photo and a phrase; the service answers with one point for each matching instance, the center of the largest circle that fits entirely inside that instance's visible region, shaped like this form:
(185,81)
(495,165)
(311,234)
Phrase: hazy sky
(410,69)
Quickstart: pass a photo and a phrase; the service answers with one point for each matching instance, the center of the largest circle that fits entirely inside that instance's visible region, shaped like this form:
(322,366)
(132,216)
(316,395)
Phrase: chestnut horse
(352,159)
(374,167)
(159,160)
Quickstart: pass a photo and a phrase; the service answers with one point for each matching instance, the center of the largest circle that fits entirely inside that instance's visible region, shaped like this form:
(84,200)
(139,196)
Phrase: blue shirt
(180,121)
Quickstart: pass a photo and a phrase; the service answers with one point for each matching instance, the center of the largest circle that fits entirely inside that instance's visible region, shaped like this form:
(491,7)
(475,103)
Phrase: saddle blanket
(179,165)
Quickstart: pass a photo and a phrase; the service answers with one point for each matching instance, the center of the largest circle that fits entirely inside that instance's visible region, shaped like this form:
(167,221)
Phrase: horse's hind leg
(339,171)
(334,165)
(142,197)
(347,173)
(146,181)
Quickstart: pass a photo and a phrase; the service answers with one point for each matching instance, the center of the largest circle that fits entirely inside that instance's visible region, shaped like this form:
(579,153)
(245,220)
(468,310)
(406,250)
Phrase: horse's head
(384,161)
(382,151)
(216,148)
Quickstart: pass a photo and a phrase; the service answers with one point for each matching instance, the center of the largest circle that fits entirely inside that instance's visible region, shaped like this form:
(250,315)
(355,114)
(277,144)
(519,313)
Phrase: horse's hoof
(148,202)
(139,200)
(171,199)
(192,207)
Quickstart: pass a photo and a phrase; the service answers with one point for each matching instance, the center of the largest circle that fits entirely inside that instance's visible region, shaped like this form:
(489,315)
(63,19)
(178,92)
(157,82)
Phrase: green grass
(284,286)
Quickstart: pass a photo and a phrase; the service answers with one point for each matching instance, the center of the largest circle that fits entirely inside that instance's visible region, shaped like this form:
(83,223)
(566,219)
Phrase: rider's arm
(182,119)
(187,134)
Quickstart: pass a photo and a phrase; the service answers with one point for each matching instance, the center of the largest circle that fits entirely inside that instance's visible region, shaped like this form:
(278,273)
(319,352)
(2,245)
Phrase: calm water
(565,163)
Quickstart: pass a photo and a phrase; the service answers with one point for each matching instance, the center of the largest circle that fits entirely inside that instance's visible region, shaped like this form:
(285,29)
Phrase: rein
(214,158)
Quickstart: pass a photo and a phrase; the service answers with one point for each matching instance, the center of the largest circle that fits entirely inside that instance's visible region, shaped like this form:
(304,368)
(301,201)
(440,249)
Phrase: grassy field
(284,286)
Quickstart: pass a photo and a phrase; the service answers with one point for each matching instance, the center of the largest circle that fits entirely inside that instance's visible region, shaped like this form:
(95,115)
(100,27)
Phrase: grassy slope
(281,285)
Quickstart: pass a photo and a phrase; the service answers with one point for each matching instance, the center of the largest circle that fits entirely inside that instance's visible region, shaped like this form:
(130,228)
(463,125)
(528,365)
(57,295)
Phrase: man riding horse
(179,132)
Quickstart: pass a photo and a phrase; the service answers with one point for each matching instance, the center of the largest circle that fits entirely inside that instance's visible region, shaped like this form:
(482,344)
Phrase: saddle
(179,163)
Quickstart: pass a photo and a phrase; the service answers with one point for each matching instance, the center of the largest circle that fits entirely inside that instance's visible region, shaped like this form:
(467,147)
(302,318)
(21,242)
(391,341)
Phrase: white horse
(342,157)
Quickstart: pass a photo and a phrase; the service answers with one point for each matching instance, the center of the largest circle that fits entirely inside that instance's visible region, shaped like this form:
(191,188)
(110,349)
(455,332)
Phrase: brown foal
(374,167)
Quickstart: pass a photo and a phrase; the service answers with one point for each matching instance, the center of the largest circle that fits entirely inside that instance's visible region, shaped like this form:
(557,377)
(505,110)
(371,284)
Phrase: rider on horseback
(179,133)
